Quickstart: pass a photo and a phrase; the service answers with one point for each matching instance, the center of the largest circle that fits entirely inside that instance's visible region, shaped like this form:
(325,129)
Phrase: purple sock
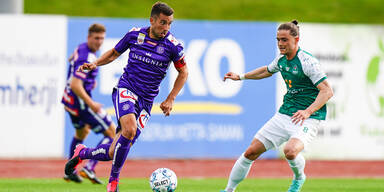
(121,152)
(73,146)
(99,153)
(93,162)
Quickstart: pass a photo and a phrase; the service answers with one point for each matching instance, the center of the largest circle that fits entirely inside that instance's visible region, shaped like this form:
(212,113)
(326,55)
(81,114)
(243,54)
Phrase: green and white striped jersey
(301,75)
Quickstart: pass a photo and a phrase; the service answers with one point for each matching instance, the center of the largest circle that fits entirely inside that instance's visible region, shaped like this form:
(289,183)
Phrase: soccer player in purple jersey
(85,113)
(152,50)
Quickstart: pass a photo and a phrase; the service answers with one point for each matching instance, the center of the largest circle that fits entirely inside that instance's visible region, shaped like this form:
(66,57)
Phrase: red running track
(54,168)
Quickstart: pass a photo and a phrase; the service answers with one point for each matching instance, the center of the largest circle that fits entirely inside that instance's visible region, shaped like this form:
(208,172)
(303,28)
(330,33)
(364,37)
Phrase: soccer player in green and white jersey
(302,112)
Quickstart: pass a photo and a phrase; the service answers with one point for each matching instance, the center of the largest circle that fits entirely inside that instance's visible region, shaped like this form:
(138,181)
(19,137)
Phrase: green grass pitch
(195,185)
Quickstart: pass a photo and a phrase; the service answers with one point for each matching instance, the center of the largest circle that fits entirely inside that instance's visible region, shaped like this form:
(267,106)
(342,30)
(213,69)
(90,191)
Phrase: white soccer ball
(163,180)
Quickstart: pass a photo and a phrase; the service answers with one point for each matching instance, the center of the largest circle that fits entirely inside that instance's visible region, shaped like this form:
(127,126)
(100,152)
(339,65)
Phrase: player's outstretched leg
(88,171)
(99,153)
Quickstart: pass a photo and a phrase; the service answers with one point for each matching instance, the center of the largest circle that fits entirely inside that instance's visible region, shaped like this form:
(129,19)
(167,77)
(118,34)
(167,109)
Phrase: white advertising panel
(353,58)
(32,78)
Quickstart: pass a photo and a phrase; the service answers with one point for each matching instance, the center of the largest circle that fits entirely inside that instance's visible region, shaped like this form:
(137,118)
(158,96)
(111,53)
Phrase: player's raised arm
(106,58)
(258,73)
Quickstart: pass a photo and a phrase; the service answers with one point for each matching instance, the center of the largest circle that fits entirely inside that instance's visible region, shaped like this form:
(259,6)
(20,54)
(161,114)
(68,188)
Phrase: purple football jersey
(81,55)
(148,61)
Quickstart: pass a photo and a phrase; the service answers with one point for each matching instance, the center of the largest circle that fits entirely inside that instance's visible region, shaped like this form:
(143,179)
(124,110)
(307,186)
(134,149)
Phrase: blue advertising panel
(211,118)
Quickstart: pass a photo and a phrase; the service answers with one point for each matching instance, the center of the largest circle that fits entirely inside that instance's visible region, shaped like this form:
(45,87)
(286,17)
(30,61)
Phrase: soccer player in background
(152,50)
(302,112)
(85,113)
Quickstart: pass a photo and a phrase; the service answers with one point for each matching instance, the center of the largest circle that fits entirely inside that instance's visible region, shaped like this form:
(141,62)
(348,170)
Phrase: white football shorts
(280,129)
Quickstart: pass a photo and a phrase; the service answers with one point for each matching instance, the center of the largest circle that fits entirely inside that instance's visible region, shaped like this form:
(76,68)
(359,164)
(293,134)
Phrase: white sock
(297,165)
(239,171)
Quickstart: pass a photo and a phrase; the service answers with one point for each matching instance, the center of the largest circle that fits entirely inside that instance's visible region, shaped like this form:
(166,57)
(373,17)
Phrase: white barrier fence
(32,76)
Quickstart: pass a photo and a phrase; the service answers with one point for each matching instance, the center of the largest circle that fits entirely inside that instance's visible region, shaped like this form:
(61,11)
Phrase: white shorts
(280,129)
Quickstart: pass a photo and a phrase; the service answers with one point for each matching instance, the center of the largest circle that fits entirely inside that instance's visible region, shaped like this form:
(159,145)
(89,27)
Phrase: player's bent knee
(129,132)
(252,153)
(254,150)
(290,154)
(128,126)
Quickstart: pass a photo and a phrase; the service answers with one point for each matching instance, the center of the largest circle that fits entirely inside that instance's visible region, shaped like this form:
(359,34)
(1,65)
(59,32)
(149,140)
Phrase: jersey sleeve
(177,52)
(125,42)
(81,57)
(312,69)
(179,60)
(273,67)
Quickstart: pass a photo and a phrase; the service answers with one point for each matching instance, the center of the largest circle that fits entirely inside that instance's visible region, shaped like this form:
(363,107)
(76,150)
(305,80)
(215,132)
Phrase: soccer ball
(163,180)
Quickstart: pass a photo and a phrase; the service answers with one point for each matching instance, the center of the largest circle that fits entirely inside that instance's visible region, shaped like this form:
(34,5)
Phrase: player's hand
(96,107)
(300,116)
(231,75)
(87,66)
(166,106)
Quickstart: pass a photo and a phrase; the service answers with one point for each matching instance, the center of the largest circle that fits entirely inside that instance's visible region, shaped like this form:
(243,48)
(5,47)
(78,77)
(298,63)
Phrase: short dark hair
(96,28)
(160,7)
(291,26)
